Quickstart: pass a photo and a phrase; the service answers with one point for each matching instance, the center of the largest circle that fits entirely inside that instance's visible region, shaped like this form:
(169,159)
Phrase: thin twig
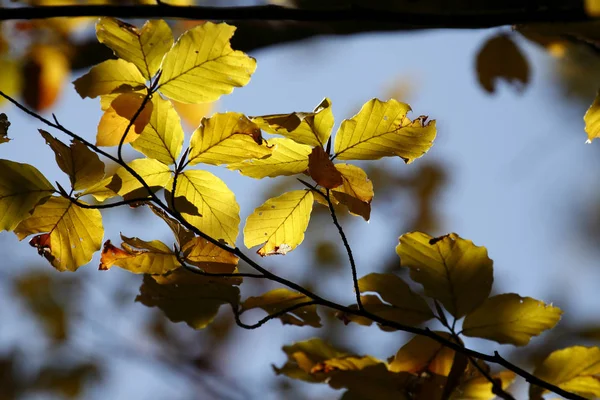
(269,317)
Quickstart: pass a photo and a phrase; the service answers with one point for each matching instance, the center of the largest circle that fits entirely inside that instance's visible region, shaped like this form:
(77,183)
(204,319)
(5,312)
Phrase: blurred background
(509,170)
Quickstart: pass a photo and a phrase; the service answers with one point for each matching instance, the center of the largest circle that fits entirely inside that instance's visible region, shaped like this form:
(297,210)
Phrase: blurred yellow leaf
(510,318)
(139,256)
(227,138)
(322,170)
(451,269)
(480,388)
(82,165)
(382,129)
(156,175)
(118,116)
(192,114)
(288,158)
(162,137)
(144,47)
(280,299)
(574,369)
(219,211)
(310,128)
(422,354)
(22,187)
(70,234)
(279,223)
(110,76)
(375,382)
(202,66)
(44,70)
(501,58)
(592,7)
(592,120)
(184,296)
(11,78)
(208,257)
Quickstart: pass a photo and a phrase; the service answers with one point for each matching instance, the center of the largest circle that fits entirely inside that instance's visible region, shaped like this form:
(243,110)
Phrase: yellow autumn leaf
(82,165)
(501,58)
(592,7)
(182,234)
(187,297)
(218,213)
(376,382)
(280,299)
(192,114)
(11,78)
(356,192)
(118,116)
(110,76)
(22,187)
(139,256)
(45,69)
(510,318)
(382,129)
(480,388)
(156,174)
(145,47)
(279,223)
(202,66)
(574,369)
(208,257)
(451,269)
(162,137)
(592,120)
(227,138)
(303,356)
(423,354)
(70,234)
(310,128)
(100,190)
(287,158)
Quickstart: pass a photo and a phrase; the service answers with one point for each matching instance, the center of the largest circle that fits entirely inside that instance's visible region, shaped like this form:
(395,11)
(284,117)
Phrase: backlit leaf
(156,174)
(143,47)
(219,212)
(423,354)
(280,299)
(451,269)
(44,70)
(480,388)
(182,234)
(82,165)
(4,125)
(322,170)
(382,129)
(100,190)
(375,382)
(186,297)
(117,117)
(139,256)
(202,66)
(192,114)
(355,206)
(279,223)
(287,158)
(22,187)
(227,138)
(208,257)
(311,128)
(110,76)
(574,369)
(70,234)
(510,318)
(501,58)
(356,191)
(592,120)
(162,137)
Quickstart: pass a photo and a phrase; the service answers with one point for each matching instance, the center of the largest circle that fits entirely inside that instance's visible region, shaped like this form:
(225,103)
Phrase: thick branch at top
(410,17)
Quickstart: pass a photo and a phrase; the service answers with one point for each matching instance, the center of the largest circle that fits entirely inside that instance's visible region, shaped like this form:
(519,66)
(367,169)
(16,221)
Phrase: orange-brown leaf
(117,117)
(322,170)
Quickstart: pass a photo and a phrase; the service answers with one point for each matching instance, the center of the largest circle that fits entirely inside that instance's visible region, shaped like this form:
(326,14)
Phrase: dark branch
(269,317)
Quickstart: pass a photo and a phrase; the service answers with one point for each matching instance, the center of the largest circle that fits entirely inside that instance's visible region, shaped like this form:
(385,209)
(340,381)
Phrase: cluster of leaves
(190,280)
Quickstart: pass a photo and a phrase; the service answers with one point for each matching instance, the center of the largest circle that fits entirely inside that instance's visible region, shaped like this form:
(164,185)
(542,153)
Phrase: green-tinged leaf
(451,269)
(287,158)
(182,234)
(322,170)
(162,137)
(227,138)
(70,234)
(202,66)
(156,175)
(382,129)
(100,190)
(310,128)
(219,212)
(422,354)
(118,116)
(82,165)
(375,382)
(510,318)
(4,125)
(144,47)
(574,369)
(280,299)
(22,187)
(110,76)
(186,297)
(480,388)
(279,223)
(592,120)
(208,257)
(139,256)
(500,58)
